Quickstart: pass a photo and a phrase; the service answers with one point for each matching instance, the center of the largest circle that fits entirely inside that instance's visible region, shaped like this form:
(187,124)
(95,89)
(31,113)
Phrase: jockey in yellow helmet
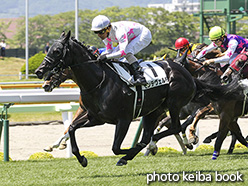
(233,44)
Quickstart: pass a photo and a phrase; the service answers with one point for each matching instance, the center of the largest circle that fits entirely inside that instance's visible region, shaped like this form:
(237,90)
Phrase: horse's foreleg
(200,114)
(232,145)
(75,150)
(121,130)
(80,122)
(184,127)
(222,133)
(149,122)
(187,122)
(218,143)
(152,147)
(235,129)
(175,127)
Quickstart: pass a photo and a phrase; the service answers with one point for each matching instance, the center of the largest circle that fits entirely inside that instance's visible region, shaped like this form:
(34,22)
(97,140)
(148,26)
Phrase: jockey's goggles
(100,31)
(216,40)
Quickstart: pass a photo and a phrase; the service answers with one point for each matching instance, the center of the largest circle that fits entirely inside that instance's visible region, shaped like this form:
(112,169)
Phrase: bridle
(60,65)
(62,59)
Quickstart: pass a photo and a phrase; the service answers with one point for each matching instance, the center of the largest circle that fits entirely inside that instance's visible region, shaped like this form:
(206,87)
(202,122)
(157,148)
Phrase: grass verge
(103,171)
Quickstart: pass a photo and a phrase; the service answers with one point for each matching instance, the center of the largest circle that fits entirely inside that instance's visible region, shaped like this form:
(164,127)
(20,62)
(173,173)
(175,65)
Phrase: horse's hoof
(154,150)
(207,140)
(84,161)
(194,139)
(62,145)
(152,147)
(189,146)
(121,162)
(48,149)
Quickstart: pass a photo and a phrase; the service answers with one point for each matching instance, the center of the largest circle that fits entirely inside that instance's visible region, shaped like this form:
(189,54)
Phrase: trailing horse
(238,69)
(110,98)
(229,111)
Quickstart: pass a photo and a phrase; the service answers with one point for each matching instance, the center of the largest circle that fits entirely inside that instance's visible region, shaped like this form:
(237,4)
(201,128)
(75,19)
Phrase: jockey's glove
(208,62)
(102,57)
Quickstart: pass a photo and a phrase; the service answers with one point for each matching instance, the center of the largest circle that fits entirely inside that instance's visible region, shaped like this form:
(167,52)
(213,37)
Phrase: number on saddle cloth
(154,74)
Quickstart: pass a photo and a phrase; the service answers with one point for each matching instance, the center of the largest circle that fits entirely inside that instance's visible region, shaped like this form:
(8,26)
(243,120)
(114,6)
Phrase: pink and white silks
(132,37)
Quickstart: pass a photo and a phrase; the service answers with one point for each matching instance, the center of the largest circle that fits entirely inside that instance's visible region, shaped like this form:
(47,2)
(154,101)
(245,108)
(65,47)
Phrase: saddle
(153,73)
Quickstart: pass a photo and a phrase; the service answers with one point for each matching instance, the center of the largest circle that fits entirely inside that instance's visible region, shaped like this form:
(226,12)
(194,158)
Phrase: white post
(26,49)
(20,75)
(76,19)
(67,119)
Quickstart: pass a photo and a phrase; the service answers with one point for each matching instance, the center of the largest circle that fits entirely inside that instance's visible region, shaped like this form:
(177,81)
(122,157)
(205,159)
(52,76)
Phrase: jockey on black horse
(132,37)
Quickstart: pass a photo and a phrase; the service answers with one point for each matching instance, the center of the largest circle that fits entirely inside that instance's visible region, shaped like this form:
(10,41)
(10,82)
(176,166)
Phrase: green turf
(103,171)
(10,68)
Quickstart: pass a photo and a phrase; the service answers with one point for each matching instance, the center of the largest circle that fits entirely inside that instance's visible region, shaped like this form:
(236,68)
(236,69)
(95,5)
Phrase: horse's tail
(215,92)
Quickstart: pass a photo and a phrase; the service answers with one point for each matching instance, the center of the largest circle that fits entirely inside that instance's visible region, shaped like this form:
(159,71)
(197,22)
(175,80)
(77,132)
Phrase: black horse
(229,111)
(238,69)
(109,99)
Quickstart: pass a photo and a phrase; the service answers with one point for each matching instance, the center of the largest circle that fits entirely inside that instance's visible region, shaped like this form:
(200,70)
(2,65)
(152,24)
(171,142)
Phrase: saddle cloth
(153,73)
(155,76)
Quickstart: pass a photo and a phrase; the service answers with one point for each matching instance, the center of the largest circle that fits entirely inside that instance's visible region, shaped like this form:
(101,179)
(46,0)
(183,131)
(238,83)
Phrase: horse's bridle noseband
(60,65)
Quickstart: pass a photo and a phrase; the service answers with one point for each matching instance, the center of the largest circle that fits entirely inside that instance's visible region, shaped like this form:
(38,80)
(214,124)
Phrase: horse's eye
(57,52)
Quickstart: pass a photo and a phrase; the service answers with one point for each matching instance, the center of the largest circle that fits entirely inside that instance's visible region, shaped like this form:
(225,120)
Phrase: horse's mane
(232,90)
(210,76)
(84,46)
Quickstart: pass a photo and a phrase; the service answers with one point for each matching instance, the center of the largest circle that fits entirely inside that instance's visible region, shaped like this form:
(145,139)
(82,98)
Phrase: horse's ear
(178,54)
(66,37)
(62,35)
(185,54)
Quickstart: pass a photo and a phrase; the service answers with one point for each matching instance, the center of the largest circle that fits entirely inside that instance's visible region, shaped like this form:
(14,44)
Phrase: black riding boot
(137,74)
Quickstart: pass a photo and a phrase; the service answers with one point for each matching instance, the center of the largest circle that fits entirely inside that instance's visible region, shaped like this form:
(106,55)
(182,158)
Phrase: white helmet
(100,22)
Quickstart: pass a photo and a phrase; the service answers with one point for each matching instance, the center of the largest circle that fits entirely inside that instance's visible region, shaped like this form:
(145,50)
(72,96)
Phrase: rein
(60,65)
(95,61)
(202,66)
(101,82)
(97,87)
(119,74)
